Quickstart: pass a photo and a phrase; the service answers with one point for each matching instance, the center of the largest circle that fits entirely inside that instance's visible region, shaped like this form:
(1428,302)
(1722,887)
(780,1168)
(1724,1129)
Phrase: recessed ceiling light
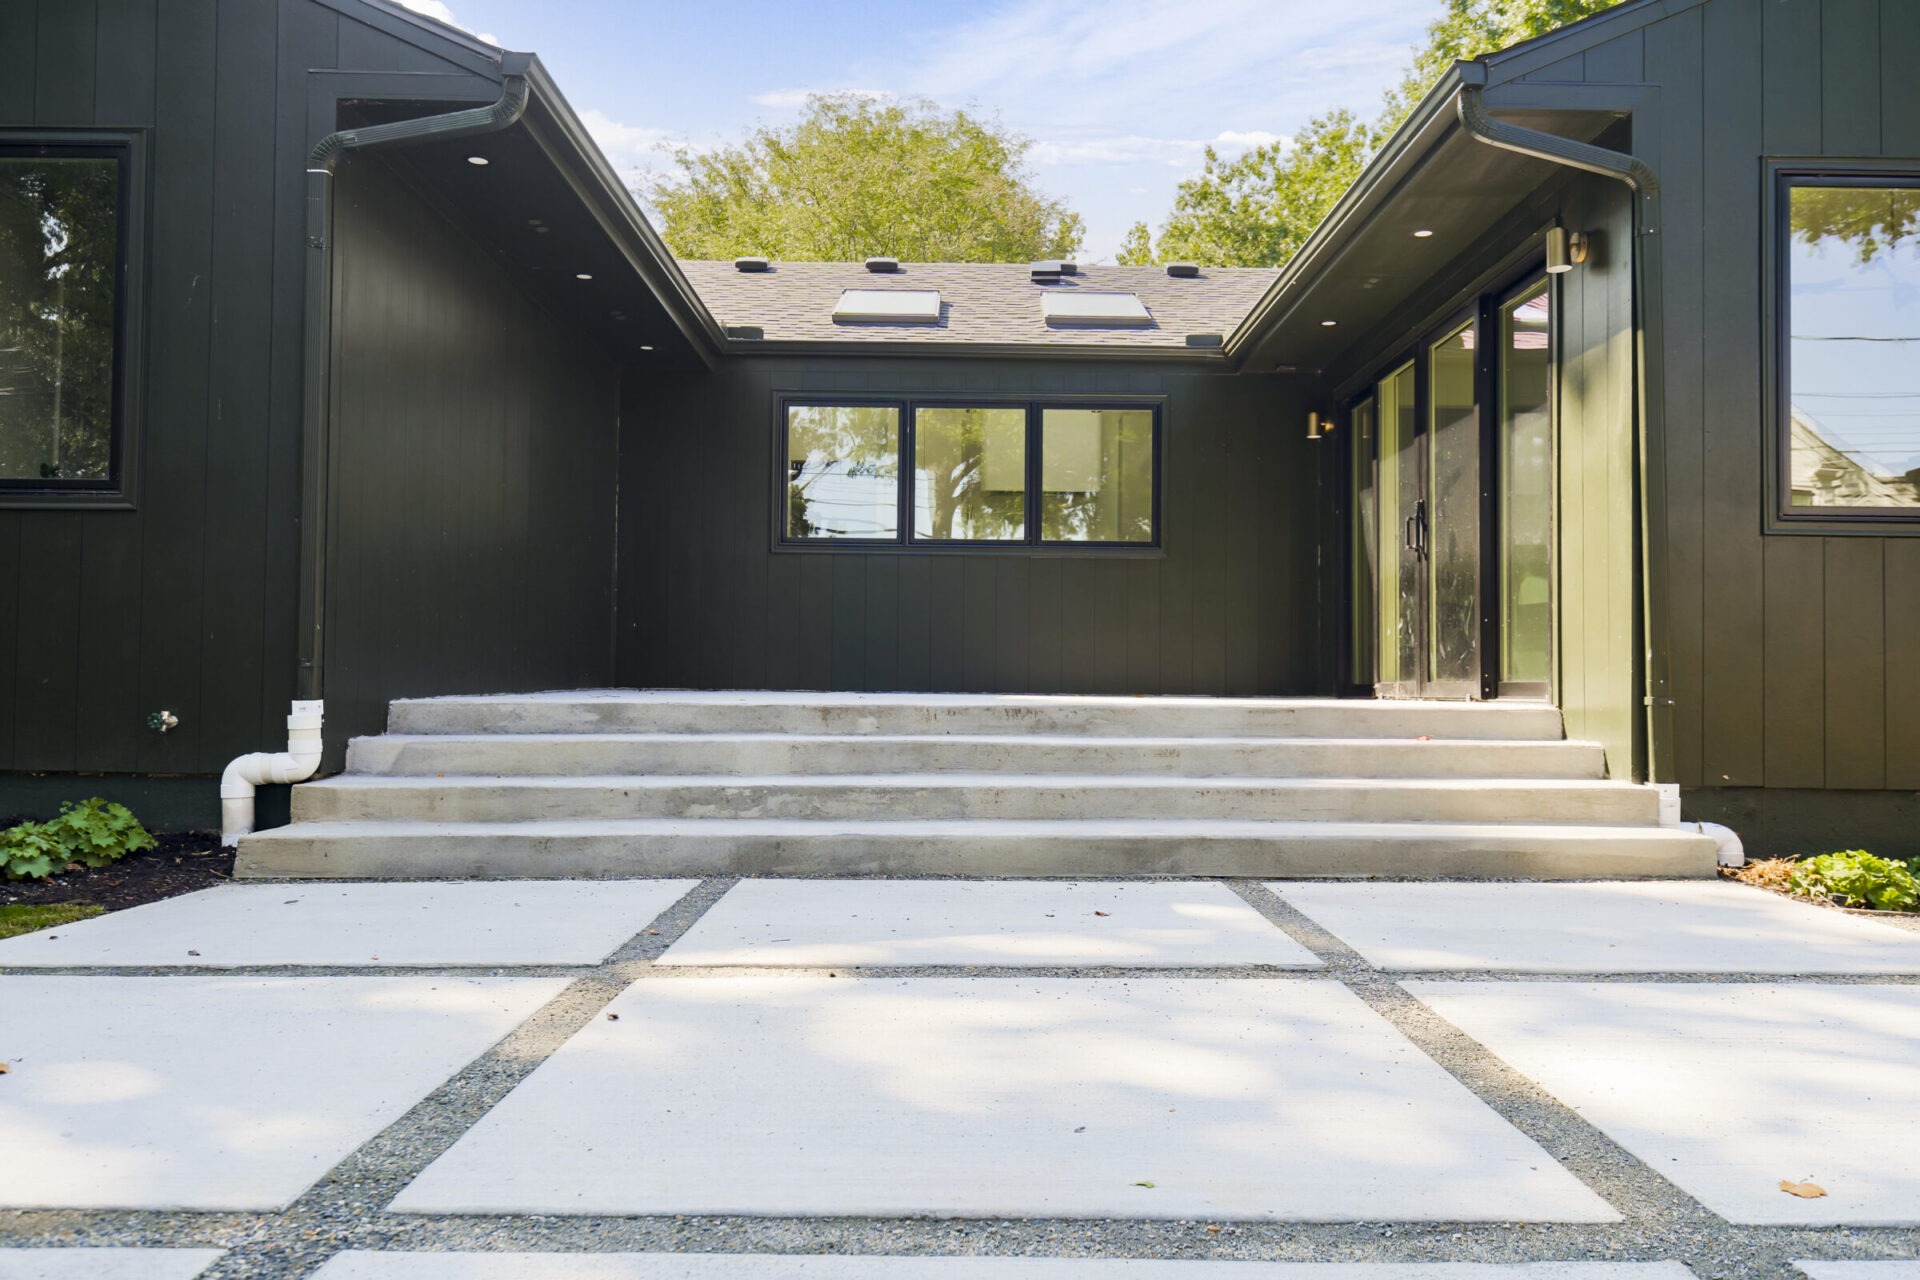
(1422,234)
(583,275)
(477,160)
(1328,324)
(644,347)
(533,222)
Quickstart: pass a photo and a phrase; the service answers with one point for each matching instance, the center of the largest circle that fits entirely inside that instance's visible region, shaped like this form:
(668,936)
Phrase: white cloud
(635,151)
(439,12)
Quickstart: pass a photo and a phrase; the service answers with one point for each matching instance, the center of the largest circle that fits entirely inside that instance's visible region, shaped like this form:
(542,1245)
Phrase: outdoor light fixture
(1565,250)
(477,160)
(1315,428)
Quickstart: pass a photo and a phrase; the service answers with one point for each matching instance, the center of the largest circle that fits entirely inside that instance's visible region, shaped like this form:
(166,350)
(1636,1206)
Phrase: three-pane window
(934,473)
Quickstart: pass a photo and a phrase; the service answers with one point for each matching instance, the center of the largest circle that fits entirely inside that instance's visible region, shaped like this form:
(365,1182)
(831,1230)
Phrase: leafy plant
(92,833)
(1856,878)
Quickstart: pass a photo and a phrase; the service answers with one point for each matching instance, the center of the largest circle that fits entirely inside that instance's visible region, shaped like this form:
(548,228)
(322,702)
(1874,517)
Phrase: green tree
(857,177)
(1259,208)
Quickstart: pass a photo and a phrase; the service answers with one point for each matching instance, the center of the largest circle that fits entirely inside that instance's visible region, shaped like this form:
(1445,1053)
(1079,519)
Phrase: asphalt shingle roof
(986,303)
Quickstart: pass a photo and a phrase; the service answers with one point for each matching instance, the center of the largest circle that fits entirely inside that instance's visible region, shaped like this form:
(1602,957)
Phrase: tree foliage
(1872,220)
(1258,209)
(856,177)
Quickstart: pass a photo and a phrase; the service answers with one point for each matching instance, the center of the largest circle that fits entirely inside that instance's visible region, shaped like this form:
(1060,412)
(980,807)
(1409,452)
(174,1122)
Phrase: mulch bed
(180,864)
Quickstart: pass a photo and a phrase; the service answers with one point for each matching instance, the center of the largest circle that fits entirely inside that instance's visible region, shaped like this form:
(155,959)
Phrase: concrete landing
(1727,1090)
(717,1266)
(1043,1098)
(992,922)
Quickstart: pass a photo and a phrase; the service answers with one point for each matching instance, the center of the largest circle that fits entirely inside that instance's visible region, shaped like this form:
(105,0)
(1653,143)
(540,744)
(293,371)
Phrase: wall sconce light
(1565,250)
(1315,427)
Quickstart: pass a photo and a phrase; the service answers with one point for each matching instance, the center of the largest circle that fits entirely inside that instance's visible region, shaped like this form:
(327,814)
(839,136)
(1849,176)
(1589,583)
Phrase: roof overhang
(1364,261)
(559,218)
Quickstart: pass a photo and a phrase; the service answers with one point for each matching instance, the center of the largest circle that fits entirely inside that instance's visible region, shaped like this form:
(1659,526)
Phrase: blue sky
(1119,96)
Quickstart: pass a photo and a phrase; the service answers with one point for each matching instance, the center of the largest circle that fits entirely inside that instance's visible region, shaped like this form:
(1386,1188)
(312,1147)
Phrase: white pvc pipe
(295,764)
(1732,852)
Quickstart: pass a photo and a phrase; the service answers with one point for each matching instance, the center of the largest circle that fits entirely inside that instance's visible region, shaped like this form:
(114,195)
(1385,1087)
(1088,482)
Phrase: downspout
(1650,381)
(304,743)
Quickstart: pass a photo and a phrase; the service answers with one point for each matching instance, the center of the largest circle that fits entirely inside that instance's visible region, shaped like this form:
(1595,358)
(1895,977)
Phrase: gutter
(304,743)
(1650,378)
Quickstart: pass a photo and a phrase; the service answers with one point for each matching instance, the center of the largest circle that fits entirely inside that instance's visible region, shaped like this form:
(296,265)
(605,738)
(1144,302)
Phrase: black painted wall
(474,450)
(187,602)
(706,602)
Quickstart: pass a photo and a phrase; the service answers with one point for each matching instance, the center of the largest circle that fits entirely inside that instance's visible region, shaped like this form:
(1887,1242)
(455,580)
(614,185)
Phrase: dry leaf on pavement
(1805,1190)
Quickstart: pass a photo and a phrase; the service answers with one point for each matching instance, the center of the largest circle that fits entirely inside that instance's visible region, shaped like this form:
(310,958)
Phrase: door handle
(1419,519)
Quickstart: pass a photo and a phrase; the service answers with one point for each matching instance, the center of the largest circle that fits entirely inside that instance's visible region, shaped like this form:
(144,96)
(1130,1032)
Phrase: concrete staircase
(623,783)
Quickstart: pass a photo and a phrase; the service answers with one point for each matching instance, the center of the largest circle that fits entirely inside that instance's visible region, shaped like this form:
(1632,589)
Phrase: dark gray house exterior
(380,386)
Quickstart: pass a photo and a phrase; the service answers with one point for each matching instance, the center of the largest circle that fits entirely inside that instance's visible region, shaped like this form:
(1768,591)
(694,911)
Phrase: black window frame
(119,489)
(905,541)
(1783,175)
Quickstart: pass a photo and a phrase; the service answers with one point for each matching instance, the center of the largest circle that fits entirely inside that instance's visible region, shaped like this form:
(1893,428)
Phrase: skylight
(1077,309)
(888,306)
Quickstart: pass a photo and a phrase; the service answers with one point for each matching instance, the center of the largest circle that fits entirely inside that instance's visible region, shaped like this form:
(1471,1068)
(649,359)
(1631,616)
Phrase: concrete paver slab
(984,922)
(1859,1270)
(1611,927)
(1727,1090)
(105,1264)
(341,925)
(714,1266)
(223,1092)
(1007,1097)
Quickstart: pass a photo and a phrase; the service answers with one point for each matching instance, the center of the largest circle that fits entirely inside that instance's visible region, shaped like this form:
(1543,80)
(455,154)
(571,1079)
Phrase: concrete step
(680,711)
(953,796)
(656,847)
(761,755)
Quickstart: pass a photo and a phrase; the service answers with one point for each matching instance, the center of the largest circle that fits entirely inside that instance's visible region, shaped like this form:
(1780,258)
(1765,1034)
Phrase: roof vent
(1209,341)
(888,306)
(752,264)
(1183,270)
(747,331)
(1080,309)
(881,266)
(1068,267)
(1047,272)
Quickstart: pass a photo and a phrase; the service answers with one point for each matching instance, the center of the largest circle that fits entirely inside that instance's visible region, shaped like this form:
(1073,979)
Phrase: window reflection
(1096,475)
(1453,605)
(843,469)
(1526,490)
(1853,349)
(59,255)
(970,474)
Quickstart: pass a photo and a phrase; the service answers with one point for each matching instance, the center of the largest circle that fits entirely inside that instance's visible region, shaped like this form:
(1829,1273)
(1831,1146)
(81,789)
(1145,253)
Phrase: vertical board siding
(473,485)
(1856,671)
(1239,522)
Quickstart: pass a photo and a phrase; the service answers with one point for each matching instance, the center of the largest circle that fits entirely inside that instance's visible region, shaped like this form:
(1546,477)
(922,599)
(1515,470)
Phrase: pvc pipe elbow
(1732,852)
(246,773)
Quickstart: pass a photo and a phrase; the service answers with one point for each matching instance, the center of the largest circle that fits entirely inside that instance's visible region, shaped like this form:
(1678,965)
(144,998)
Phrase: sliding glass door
(1451,510)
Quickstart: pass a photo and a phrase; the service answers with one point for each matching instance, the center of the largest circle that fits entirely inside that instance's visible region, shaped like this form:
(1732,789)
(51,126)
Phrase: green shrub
(1856,878)
(91,833)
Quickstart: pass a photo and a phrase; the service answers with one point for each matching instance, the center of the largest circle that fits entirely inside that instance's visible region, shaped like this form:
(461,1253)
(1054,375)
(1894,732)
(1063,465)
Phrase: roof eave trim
(983,350)
(646,250)
(1417,135)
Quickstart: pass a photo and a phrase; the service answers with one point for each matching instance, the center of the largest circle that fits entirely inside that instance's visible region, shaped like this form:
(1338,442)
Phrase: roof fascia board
(563,137)
(1543,51)
(421,32)
(1199,356)
(1397,160)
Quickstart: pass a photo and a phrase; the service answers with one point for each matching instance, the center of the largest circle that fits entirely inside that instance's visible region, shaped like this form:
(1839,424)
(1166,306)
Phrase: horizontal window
(62,254)
(1850,347)
(1008,474)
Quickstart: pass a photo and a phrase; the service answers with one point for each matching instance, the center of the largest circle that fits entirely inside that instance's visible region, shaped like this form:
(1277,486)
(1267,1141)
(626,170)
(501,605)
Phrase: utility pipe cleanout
(304,740)
(1649,389)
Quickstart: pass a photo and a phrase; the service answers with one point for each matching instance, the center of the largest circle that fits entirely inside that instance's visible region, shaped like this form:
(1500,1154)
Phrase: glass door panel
(1364,534)
(1453,513)
(1524,439)
(1401,536)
